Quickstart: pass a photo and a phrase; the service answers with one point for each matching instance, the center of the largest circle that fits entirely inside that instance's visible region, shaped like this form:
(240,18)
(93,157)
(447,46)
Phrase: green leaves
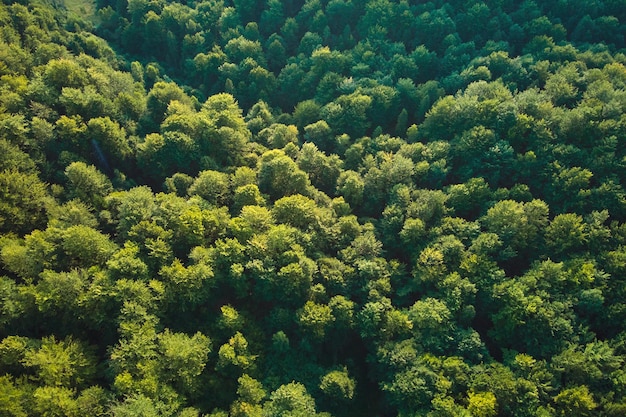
(338,385)
(183,358)
(85,246)
(64,363)
(291,400)
(421,212)
(23,202)
(279,176)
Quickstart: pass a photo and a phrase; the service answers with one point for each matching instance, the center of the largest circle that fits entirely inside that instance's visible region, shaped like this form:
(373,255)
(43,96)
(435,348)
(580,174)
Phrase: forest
(300,208)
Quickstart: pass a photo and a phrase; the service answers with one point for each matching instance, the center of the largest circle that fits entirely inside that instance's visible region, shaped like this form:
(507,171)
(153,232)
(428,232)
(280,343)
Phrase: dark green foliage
(302,208)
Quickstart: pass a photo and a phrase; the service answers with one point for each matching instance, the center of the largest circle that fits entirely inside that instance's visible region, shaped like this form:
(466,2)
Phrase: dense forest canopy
(312,208)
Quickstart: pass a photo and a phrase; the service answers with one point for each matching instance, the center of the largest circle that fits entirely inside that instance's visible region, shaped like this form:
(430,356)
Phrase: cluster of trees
(333,208)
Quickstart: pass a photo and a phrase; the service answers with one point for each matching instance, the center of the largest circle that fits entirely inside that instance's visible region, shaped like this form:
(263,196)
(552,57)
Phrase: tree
(351,186)
(61,295)
(234,355)
(575,401)
(183,358)
(586,365)
(338,386)
(251,393)
(525,314)
(482,404)
(323,171)
(247,195)
(88,184)
(467,199)
(290,400)
(12,158)
(315,319)
(250,390)
(24,202)
(348,114)
(321,135)
(186,287)
(226,133)
(566,234)
(64,364)
(11,398)
(297,211)
(136,405)
(278,135)
(59,73)
(131,207)
(306,112)
(162,155)
(431,323)
(84,246)
(252,220)
(259,117)
(518,225)
(111,138)
(279,175)
(413,388)
(54,401)
(158,99)
(126,263)
(212,186)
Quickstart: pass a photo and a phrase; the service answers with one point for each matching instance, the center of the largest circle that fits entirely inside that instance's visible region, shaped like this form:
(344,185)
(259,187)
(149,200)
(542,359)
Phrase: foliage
(301,208)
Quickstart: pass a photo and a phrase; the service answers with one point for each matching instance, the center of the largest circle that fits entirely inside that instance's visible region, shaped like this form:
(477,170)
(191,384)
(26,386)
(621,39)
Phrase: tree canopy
(312,208)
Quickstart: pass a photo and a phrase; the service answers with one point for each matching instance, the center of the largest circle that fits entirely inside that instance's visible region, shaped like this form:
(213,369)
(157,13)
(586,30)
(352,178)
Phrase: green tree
(212,186)
(59,73)
(28,258)
(252,220)
(315,319)
(226,133)
(290,400)
(519,225)
(348,114)
(186,287)
(129,208)
(136,405)
(468,199)
(351,186)
(338,386)
(64,364)
(11,398)
(84,246)
(482,404)
(183,359)
(112,139)
(323,171)
(162,155)
(575,401)
(24,202)
(235,355)
(158,100)
(566,234)
(251,393)
(278,135)
(247,195)
(431,323)
(297,211)
(88,184)
(60,295)
(54,401)
(126,263)
(14,159)
(279,175)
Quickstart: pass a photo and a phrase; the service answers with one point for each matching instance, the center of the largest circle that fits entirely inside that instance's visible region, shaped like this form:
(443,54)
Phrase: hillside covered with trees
(313,208)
